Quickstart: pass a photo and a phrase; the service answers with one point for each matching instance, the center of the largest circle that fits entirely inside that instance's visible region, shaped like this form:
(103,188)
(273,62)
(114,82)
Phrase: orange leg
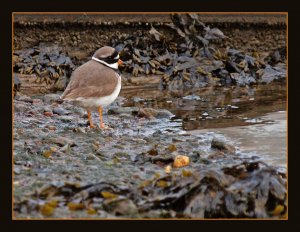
(100,116)
(90,119)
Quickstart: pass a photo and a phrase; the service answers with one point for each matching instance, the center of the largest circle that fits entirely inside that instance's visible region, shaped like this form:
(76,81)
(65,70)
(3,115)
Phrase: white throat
(114,65)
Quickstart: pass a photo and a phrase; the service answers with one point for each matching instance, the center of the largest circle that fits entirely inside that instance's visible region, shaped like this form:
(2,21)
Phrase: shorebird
(96,83)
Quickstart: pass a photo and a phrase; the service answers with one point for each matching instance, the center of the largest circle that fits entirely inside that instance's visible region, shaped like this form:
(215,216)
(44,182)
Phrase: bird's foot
(104,127)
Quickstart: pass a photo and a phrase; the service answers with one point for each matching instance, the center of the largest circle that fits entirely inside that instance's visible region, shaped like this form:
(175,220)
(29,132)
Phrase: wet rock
(222,146)
(163,113)
(53,128)
(160,214)
(181,161)
(195,156)
(80,111)
(50,98)
(163,159)
(46,109)
(79,130)
(123,110)
(20,107)
(37,102)
(48,113)
(122,207)
(216,155)
(66,118)
(147,113)
(62,141)
(272,73)
(24,98)
(60,111)
(243,79)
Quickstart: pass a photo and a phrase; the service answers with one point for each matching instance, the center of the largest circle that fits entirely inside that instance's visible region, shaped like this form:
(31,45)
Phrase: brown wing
(91,79)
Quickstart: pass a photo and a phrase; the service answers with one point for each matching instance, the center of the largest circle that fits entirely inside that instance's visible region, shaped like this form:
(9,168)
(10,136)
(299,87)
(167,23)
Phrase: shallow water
(252,118)
(267,140)
(212,107)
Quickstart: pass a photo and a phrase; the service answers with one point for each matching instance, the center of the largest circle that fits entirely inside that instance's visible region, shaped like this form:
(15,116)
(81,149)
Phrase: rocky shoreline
(64,169)
(147,165)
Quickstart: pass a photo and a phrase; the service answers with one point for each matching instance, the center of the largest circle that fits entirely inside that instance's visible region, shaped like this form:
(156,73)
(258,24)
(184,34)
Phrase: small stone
(147,113)
(37,101)
(162,113)
(172,147)
(79,130)
(51,128)
(168,169)
(216,155)
(122,207)
(50,98)
(24,98)
(174,140)
(20,107)
(222,146)
(48,114)
(62,141)
(60,111)
(181,161)
(46,109)
(123,110)
(66,118)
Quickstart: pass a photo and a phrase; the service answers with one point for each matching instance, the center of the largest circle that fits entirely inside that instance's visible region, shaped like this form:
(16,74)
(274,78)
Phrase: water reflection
(212,107)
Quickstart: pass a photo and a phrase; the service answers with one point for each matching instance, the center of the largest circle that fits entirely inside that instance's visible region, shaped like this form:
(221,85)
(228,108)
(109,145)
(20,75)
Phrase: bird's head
(108,56)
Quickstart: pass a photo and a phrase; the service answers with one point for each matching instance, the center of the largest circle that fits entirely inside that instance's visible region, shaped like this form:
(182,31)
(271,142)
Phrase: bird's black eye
(112,58)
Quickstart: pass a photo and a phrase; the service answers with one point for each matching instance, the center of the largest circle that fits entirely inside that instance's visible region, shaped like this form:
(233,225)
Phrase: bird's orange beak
(120,62)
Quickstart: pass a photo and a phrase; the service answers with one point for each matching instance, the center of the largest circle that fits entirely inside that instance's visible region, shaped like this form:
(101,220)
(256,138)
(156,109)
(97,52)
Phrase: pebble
(79,130)
(48,114)
(37,101)
(20,107)
(24,98)
(47,109)
(50,98)
(66,118)
(62,141)
(216,155)
(162,113)
(123,110)
(222,146)
(60,111)
(51,127)
(123,207)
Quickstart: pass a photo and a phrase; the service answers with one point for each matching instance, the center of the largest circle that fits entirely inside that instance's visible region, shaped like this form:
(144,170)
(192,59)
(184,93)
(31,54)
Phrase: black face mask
(111,59)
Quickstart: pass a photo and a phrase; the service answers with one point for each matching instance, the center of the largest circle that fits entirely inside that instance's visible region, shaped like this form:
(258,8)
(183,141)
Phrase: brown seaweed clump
(190,57)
